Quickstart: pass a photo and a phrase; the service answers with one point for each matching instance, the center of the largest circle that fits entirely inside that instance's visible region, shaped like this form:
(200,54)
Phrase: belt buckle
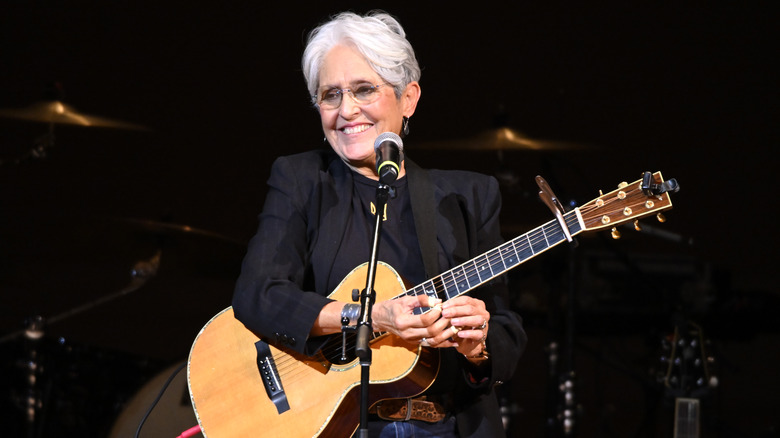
(408,409)
(392,409)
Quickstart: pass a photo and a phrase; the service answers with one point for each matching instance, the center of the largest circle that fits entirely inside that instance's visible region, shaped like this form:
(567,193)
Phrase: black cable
(159,396)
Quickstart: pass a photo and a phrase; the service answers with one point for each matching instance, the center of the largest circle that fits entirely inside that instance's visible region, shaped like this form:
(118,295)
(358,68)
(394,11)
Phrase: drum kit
(55,386)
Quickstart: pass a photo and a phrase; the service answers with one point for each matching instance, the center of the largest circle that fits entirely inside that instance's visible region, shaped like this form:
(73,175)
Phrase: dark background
(683,88)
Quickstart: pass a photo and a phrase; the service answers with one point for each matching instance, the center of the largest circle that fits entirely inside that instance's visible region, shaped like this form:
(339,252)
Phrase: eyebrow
(351,85)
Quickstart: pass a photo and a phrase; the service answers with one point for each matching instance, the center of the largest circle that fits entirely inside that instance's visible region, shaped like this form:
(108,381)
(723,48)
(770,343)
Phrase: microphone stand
(367,298)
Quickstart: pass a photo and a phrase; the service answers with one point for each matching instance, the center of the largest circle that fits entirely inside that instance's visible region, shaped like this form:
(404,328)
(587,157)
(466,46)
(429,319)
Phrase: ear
(410,97)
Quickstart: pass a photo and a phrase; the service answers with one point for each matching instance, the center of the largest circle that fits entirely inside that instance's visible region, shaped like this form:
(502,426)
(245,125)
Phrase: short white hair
(378,36)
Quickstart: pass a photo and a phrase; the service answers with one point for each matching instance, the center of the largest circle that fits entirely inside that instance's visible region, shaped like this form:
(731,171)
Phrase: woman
(316,226)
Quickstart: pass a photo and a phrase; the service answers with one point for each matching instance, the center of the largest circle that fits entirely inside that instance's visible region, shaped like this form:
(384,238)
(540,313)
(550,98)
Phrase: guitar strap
(423,203)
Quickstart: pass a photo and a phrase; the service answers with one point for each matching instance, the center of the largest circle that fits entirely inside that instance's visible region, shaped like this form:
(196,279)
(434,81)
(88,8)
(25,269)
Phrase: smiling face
(351,128)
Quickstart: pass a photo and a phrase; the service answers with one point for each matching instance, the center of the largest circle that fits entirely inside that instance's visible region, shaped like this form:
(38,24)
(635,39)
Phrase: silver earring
(406,126)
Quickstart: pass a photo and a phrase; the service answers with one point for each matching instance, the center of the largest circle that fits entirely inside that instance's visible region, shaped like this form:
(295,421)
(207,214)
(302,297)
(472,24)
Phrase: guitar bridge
(271,380)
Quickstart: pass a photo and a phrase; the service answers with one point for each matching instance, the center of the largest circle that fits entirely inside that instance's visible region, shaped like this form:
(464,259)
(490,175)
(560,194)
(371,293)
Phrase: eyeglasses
(362,94)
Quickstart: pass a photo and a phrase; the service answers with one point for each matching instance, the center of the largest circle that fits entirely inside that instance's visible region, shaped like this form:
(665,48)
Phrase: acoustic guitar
(241,386)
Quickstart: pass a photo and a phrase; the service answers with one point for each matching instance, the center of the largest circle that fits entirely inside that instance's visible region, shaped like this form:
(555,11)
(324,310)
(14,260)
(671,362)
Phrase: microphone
(389,155)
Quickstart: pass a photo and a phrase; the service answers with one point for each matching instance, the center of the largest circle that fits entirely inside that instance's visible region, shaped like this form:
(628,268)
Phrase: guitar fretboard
(481,269)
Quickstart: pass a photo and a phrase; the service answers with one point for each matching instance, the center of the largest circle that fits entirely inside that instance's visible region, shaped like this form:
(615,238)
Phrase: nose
(349,107)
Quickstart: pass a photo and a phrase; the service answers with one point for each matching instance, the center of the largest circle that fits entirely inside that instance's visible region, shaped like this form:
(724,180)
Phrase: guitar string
(635,199)
(289,364)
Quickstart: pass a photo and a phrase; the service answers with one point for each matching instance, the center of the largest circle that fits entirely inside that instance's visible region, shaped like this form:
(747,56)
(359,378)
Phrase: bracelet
(350,314)
(482,355)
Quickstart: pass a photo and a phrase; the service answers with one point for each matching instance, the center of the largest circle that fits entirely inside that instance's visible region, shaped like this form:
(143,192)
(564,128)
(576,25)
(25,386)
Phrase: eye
(364,91)
(331,95)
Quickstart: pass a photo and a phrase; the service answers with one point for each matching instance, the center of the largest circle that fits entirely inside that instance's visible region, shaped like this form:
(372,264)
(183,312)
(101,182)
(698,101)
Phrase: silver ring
(423,342)
(484,324)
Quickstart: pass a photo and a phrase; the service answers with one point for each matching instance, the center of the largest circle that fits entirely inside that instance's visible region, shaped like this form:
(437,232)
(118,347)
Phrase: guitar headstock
(629,202)
(687,362)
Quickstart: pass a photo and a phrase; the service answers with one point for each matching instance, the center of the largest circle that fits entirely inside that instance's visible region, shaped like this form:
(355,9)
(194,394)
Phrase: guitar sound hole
(335,354)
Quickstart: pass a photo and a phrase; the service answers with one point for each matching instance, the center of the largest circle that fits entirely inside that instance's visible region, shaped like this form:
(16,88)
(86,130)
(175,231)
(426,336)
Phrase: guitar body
(230,400)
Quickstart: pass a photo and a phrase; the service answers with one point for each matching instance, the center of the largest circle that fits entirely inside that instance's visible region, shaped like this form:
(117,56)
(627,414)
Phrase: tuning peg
(615,233)
(713,382)
(661,217)
(636,225)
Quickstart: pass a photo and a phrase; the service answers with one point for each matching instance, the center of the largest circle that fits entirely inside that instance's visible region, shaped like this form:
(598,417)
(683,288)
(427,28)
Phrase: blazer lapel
(336,192)
(424,212)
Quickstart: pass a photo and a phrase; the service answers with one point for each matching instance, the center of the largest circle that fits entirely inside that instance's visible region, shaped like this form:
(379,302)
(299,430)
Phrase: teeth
(355,129)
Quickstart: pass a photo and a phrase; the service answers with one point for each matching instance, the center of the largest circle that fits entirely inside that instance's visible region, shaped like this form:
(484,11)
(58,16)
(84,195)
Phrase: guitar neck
(483,268)
(628,202)
(686,418)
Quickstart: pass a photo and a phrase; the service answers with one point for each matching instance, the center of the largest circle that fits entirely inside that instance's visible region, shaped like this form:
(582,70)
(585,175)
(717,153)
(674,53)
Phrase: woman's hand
(468,327)
(397,317)
(461,322)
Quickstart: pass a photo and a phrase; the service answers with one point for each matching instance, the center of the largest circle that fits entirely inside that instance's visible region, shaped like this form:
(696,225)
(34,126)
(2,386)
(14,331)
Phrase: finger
(417,305)
(472,335)
(423,300)
(432,327)
(432,308)
(412,301)
(474,322)
(427,304)
(443,343)
(463,306)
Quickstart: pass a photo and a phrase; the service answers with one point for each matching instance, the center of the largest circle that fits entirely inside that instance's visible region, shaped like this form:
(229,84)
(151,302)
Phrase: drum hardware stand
(141,273)
(32,402)
(565,420)
(37,151)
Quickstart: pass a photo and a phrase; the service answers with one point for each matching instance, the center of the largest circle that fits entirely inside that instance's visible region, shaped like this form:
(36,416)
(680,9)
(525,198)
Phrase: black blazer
(286,273)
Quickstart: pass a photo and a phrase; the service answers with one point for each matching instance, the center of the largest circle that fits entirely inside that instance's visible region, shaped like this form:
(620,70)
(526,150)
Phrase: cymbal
(166,228)
(500,139)
(57,112)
